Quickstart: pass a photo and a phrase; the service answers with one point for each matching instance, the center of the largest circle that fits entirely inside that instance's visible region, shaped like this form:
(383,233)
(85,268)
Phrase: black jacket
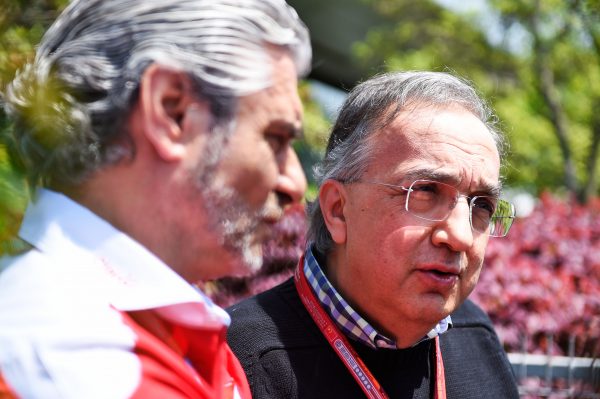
(285,355)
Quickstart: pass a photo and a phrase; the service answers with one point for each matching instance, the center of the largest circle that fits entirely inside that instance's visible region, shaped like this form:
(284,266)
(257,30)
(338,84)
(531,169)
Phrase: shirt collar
(132,277)
(346,318)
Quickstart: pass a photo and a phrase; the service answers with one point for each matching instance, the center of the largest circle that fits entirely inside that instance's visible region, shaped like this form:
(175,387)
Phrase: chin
(247,262)
(438,309)
(450,307)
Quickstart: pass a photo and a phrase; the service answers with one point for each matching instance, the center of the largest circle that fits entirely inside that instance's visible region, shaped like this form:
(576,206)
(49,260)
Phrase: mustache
(238,212)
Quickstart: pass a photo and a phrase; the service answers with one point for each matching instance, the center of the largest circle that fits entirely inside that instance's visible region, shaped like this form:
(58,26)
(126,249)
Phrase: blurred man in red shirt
(159,134)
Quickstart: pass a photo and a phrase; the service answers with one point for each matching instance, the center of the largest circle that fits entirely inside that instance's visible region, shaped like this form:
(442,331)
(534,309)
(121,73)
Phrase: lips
(439,276)
(441,269)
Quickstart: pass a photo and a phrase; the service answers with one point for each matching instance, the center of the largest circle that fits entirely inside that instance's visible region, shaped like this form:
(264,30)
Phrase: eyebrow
(493,190)
(293,131)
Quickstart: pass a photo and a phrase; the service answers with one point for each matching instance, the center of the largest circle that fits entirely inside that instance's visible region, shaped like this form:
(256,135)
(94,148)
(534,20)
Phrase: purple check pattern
(350,322)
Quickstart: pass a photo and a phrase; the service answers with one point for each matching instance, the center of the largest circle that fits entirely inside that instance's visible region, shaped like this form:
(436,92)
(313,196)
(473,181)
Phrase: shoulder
(474,359)
(58,337)
(33,286)
(276,341)
(472,326)
(275,318)
(39,290)
(469,314)
(260,306)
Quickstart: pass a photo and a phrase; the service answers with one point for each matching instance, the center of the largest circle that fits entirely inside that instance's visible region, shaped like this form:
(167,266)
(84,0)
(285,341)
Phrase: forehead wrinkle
(422,131)
(418,136)
(453,179)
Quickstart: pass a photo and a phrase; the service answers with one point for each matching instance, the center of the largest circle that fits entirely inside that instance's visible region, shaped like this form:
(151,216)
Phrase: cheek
(255,174)
(474,266)
(403,242)
(392,250)
(402,231)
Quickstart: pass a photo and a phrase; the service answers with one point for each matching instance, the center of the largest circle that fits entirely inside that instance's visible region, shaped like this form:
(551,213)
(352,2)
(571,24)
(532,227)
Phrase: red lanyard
(346,352)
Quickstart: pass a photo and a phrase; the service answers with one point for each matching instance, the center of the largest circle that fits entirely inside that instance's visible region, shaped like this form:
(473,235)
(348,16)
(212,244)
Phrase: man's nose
(291,183)
(455,231)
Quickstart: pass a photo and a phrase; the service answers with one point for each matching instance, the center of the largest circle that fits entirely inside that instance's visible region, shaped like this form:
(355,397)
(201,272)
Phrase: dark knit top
(285,355)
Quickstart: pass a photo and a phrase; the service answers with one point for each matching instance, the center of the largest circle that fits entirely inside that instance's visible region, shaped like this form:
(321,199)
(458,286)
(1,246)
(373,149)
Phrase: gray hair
(70,104)
(370,107)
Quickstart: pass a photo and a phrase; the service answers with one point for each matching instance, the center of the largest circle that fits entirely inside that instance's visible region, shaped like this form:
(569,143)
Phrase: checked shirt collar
(346,318)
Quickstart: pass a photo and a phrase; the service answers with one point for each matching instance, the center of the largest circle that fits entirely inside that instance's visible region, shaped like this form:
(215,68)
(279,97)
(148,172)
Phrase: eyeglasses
(433,201)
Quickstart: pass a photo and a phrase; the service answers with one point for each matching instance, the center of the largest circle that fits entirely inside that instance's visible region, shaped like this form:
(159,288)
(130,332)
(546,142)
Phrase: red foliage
(545,278)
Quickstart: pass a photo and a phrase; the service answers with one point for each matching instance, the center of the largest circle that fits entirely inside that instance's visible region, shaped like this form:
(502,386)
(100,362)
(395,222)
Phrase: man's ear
(165,98)
(332,200)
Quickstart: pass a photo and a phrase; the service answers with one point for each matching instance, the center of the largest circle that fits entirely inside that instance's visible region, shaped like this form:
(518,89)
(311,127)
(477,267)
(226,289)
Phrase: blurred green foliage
(545,86)
(22,24)
(316,124)
(316,132)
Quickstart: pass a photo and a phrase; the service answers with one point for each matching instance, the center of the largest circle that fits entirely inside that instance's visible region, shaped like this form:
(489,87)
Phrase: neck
(126,200)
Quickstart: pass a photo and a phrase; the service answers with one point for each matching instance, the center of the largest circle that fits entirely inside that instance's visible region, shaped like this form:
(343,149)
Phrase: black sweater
(285,355)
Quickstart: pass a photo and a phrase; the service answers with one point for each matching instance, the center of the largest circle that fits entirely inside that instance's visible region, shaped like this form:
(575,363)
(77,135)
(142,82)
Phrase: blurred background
(538,63)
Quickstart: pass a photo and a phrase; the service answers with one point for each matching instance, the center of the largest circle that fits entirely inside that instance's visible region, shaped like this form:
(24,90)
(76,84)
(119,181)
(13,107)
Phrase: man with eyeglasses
(408,198)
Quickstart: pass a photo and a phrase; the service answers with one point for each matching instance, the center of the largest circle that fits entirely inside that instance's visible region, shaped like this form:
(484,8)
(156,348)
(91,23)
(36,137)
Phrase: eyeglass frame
(470,202)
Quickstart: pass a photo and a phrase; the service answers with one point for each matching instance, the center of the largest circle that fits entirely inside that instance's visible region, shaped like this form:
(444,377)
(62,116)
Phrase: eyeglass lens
(434,201)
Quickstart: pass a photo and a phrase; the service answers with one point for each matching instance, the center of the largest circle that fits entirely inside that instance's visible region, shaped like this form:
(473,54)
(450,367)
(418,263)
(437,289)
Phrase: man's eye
(484,205)
(426,188)
(277,141)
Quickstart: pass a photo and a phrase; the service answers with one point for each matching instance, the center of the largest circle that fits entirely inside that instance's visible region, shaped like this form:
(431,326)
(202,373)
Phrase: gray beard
(236,223)
(228,216)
